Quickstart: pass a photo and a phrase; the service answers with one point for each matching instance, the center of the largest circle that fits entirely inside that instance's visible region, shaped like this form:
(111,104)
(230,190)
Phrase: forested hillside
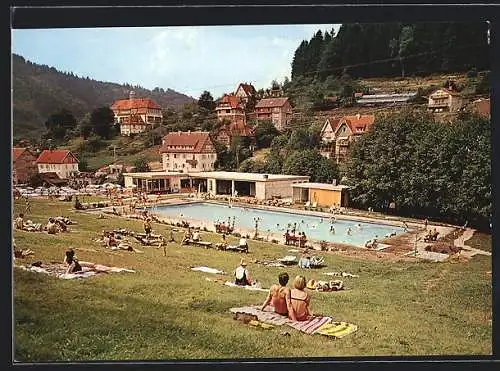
(393,49)
(39,91)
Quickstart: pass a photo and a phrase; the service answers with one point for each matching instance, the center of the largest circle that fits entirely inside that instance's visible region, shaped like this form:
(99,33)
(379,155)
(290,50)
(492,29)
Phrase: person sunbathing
(243,244)
(196,236)
(242,276)
(305,261)
(172,238)
(279,296)
(300,300)
(71,262)
(51,226)
(186,238)
(19,222)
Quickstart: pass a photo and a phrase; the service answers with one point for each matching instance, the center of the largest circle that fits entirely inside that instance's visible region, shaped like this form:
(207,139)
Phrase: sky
(186,59)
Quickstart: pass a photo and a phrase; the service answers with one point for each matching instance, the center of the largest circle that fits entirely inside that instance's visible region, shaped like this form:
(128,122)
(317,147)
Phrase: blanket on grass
(256,287)
(322,325)
(208,270)
(59,270)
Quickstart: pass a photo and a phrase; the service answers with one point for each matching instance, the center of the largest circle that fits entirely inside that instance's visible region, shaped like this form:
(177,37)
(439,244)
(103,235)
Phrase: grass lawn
(166,311)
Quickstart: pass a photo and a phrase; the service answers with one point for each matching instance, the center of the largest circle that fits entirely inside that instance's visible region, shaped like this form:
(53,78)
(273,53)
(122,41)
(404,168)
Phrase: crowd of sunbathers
(53,226)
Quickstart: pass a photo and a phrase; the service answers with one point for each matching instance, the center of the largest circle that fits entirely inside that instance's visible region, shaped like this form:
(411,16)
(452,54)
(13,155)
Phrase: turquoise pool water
(315,227)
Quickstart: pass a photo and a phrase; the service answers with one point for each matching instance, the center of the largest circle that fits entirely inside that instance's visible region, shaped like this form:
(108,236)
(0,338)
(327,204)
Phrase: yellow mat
(336,329)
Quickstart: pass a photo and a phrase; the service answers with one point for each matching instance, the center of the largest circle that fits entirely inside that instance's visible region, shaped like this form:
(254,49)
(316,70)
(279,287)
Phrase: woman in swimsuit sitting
(300,300)
(71,262)
(279,296)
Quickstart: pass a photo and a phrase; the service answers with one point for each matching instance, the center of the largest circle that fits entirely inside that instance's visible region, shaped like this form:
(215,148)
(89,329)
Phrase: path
(467,250)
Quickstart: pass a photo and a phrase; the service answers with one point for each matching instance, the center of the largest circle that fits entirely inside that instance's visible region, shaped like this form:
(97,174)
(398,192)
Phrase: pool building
(321,194)
(259,186)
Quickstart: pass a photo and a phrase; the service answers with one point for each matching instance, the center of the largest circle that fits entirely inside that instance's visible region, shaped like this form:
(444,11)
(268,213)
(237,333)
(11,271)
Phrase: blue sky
(185,59)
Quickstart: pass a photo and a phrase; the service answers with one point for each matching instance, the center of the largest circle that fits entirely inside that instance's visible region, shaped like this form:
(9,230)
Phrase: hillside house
(482,107)
(135,115)
(327,136)
(445,100)
(23,165)
(230,108)
(61,162)
(245,92)
(276,110)
(238,128)
(188,151)
(345,131)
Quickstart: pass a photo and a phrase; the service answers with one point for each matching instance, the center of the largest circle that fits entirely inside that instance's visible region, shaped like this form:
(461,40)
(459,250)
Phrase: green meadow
(166,311)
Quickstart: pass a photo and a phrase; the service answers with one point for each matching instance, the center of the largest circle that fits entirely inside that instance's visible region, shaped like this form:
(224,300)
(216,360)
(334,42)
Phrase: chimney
(358,116)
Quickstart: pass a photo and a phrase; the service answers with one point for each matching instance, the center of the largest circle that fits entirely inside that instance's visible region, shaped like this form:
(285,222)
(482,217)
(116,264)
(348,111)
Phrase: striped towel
(336,329)
(310,325)
(266,316)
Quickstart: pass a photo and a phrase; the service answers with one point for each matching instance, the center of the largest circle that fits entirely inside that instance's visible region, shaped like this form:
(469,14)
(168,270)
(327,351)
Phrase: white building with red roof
(188,151)
(61,162)
(135,115)
(338,134)
(276,110)
(23,164)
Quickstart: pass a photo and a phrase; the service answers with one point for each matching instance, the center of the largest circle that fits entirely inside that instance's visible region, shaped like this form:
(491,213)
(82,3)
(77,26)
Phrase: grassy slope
(165,311)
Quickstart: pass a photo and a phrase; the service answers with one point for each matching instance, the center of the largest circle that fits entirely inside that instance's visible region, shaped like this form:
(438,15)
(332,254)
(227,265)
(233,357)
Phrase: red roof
(196,141)
(358,123)
(125,104)
(271,102)
(18,151)
(483,107)
(55,157)
(232,100)
(333,121)
(237,128)
(247,88)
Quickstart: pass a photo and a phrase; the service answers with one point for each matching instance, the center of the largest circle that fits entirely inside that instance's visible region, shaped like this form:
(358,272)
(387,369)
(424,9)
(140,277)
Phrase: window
(183,166)
(175,155)
(228,111)
(175,166)
(203,166)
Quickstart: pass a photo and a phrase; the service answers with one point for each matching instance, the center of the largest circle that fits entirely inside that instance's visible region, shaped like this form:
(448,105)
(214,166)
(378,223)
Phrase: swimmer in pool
(332,230)
(321,220)
(358,226)
(348,231)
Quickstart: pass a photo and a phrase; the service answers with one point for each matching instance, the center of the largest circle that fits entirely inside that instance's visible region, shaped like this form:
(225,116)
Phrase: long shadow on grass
(112,326)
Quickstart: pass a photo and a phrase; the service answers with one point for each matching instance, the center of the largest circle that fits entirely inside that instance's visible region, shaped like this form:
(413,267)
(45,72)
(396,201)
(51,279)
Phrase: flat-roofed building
(321,194)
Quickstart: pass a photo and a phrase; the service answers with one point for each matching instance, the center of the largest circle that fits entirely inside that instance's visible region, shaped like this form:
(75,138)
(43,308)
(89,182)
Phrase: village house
(230,108)
(237,128)
(188,151)
(23,165)
(445,100)
(482,107)
(61,162)
(337,135)
(245,92)
(135,115)
(276,110)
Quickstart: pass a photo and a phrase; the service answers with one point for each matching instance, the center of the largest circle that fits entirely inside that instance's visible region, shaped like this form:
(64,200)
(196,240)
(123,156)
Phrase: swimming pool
(315,227)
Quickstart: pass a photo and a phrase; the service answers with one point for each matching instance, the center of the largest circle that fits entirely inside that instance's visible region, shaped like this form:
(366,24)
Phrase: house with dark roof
(61,162)
(276,110)
(338,134)
(445,100)
(23,164)
(245,92)
(135,115)
(188,151)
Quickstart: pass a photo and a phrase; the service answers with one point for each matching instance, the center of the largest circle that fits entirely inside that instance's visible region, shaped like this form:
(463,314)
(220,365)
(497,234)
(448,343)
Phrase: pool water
(315,227)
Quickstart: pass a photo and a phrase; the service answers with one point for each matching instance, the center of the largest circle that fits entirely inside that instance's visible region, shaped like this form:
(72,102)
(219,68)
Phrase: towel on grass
(336,329)
(59,270)
(253,288)
(321,325)
(267,315)
(208,270)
